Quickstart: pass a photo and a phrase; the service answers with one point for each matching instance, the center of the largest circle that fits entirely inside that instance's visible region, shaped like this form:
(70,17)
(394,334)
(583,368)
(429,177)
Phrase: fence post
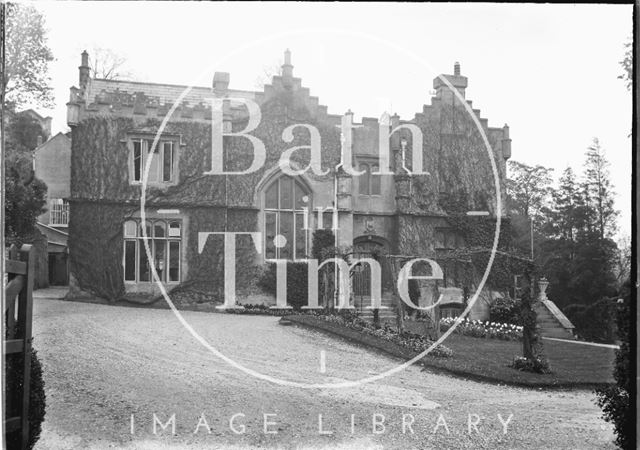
(11,319)
(25,301)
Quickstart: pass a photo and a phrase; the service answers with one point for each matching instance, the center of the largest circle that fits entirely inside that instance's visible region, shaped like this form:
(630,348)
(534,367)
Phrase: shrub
(505,310)
(322,240)
(593,322)
(535,365)
(615,400)
(414,296)
(297,295)
(37,398)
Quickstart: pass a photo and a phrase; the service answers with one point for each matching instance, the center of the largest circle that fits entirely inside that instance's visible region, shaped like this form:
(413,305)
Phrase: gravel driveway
(103,364)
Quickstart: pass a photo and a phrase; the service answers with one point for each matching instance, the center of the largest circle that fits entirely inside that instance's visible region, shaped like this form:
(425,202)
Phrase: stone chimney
(457,81)
(506,142)
(84,72)
(220,83)
(287,68)
(46,126)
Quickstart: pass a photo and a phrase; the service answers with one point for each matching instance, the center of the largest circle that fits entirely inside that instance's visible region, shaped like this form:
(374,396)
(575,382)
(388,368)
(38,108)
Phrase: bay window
(164,238)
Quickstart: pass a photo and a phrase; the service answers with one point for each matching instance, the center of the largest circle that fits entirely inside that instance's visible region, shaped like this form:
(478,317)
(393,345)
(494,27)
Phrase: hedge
(37,397)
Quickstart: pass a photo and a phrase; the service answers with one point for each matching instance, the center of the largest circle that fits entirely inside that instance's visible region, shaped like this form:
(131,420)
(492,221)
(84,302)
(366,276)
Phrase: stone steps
(556,332)
(550,326)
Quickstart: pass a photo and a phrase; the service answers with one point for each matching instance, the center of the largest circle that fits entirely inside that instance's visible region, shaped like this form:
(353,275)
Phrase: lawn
(573,365)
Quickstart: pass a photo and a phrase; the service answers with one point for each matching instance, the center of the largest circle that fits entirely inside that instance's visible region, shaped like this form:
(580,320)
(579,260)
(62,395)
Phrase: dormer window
(163,167)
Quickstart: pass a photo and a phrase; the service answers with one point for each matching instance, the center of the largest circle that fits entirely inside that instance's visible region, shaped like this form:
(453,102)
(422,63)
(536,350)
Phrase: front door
(367,248)
(58,273)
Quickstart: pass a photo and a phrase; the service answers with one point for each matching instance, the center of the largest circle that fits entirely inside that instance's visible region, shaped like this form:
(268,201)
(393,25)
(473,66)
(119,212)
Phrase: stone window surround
(371,161)
(177,147)
(296,212)
(153,217)
(448,236)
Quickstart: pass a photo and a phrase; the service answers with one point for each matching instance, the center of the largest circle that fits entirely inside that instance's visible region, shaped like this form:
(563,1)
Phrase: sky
(548,71)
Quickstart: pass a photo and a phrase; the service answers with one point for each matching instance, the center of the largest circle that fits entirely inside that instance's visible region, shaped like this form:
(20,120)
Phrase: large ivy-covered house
(114,124)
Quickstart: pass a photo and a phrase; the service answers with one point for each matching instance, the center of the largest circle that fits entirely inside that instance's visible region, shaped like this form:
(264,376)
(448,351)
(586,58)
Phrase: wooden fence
(18,307)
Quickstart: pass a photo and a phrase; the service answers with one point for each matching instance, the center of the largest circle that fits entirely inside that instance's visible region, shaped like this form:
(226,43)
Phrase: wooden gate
(17,339)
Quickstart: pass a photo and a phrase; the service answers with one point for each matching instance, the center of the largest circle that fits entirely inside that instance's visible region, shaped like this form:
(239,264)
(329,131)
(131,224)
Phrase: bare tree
(622,266)
(627,64)
(108,65)
(268,72)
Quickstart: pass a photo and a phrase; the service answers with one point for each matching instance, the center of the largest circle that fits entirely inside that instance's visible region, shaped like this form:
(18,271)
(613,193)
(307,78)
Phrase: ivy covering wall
(206,269)
(458,162)
(95,247)
(103,197)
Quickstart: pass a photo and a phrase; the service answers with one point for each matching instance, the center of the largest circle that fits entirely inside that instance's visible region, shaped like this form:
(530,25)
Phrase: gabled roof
(60,135)
(33,113)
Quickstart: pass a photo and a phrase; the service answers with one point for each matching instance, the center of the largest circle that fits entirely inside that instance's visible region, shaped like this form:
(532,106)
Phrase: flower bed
(264,310)
(364,332)
(486,329)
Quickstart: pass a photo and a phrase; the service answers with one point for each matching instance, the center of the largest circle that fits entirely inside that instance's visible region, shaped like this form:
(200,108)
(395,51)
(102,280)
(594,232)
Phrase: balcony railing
(59,213)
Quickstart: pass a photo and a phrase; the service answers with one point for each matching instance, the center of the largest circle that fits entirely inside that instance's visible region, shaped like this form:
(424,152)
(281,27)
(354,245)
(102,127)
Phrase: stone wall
(52,162)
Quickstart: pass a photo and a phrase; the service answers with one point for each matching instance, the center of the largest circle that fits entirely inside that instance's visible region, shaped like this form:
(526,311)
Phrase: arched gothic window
(284,230)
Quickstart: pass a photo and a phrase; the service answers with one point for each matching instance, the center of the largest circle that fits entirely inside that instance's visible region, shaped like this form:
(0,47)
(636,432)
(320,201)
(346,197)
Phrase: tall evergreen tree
(599,191)
(566,203)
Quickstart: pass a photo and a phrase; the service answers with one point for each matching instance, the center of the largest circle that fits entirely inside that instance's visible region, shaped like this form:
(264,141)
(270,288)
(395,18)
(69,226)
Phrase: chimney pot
(456,68)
